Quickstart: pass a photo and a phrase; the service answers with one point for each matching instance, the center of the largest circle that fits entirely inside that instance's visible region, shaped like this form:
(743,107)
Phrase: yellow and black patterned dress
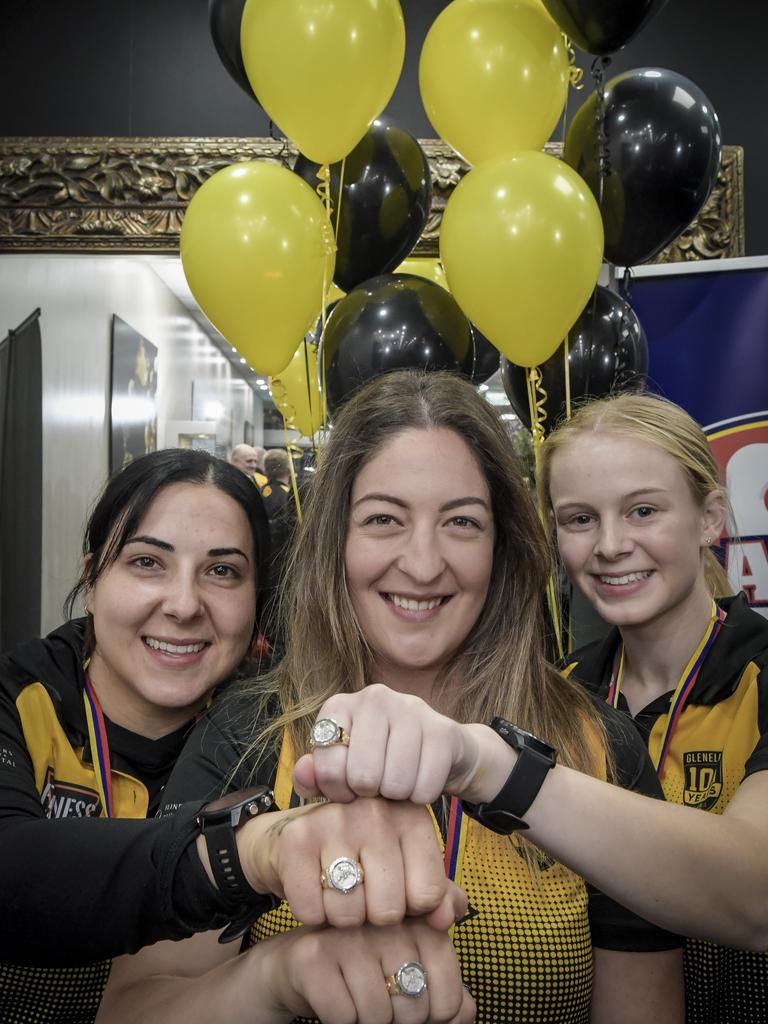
(526,949)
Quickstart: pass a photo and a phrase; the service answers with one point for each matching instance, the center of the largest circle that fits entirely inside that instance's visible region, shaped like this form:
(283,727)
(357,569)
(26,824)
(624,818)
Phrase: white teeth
(415,606)
(161,645)
(631,577)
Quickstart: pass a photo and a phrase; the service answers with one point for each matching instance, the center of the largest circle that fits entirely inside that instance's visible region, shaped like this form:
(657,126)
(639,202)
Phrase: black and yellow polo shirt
(64,896)
(721,738)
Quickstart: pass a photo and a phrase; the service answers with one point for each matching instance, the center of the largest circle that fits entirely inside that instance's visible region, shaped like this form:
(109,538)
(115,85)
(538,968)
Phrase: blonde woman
(413,616)
(637,505)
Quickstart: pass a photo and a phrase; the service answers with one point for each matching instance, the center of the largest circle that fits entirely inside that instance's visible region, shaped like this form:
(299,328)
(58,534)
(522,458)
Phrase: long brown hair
(500,668)
(658,422)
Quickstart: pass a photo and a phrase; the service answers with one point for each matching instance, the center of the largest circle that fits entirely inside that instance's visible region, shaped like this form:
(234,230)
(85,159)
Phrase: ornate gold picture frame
(128,195)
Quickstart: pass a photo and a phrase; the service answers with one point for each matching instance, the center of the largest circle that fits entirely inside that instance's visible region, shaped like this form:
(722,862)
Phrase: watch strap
(505,813)
(218,826)
(221,842)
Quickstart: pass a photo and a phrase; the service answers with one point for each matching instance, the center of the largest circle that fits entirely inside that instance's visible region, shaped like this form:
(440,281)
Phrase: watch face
(518,738)
(241,796)
(540,746)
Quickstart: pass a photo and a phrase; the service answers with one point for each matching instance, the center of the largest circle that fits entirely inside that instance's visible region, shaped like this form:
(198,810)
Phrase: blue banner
(707,336)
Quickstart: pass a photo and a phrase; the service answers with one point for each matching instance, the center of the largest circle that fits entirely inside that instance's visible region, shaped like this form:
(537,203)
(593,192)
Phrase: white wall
(77,296)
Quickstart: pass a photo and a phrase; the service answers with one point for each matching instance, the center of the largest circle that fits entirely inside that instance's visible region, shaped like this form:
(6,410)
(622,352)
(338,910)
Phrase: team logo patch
(703,772)
(68,800)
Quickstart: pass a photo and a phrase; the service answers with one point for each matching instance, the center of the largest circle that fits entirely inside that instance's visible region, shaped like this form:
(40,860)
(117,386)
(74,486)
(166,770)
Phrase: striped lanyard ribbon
(455,844)
(97,734)
(684,686)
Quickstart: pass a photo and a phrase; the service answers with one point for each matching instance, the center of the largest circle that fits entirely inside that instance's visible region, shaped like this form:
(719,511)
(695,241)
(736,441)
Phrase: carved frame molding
(128,195)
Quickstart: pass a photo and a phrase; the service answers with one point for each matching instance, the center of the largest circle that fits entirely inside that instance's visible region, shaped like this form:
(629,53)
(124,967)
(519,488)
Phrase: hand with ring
(403,973)
(346,864)
(380,741)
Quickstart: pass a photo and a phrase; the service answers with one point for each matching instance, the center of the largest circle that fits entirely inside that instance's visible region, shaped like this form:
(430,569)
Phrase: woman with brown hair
(414,602)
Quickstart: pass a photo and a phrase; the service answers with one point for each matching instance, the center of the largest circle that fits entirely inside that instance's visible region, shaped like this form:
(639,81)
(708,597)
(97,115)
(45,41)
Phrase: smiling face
(174,614)
(419,553)
(629,529)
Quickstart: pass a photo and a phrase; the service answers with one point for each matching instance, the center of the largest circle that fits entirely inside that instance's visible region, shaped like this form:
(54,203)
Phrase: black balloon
(663,155)
(607,353)
(483,359)
(392,322)
(385,202)
(602,26)
(224,17)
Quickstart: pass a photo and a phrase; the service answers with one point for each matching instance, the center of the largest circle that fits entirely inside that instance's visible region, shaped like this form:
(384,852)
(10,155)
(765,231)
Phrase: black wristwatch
(218,821)
(504,814)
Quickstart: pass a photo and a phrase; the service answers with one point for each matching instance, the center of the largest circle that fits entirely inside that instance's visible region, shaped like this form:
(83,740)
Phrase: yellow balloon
(522,241)
(255,244)
(296,393)
(493,76)
(334,294)
(423,266)
(323,69)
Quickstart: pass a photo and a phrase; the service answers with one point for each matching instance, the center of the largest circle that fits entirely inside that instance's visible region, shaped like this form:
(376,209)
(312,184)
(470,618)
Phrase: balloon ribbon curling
(537,401)
(575,74)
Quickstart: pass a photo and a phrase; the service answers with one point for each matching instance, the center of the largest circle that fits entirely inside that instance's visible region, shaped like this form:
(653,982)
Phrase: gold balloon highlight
(254,245)
(297,395)
(423,266)
(323,69)
(521,241)
(493,76)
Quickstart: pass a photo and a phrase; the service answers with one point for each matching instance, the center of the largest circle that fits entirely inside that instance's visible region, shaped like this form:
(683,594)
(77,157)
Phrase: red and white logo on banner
(741,449)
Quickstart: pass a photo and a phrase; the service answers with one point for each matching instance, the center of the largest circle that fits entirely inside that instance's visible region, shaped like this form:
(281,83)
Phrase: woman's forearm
(177,984)
(692,872)
(113,877)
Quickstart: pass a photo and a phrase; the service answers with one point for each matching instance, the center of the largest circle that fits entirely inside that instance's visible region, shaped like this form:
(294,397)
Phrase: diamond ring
(327,733)
(343,875)
(408,980)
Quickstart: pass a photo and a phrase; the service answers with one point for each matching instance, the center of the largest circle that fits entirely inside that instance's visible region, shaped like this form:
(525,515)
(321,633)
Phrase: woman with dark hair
(413,613)
(93,716)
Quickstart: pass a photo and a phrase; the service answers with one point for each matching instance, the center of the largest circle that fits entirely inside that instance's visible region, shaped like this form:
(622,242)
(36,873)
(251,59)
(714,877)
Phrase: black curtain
(21,482)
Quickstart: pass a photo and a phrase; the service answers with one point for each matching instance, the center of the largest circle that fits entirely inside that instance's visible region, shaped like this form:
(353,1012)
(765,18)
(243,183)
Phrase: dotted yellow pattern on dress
(526,952)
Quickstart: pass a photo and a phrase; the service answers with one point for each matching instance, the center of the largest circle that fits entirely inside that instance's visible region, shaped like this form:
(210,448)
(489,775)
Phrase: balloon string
(323,398)
(626,283)
(338,201)
(575,74)
(329,243)
(290,447)
(599,65)
(537,398)
(309,393)
(567,377)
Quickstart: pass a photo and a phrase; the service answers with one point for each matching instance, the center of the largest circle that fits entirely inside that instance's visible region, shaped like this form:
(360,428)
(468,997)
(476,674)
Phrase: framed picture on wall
(133,410)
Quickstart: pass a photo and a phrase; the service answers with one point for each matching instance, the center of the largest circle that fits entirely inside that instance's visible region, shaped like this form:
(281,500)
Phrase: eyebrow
(631,496)
(454,503)
(165,546)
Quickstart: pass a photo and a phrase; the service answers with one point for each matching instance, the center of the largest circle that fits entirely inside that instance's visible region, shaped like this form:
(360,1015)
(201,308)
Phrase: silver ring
(408,980)
(327,733)
(343,875)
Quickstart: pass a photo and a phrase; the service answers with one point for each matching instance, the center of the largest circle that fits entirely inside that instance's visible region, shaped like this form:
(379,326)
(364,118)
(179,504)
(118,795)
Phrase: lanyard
(97,734)
(455,845)
(684,686)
